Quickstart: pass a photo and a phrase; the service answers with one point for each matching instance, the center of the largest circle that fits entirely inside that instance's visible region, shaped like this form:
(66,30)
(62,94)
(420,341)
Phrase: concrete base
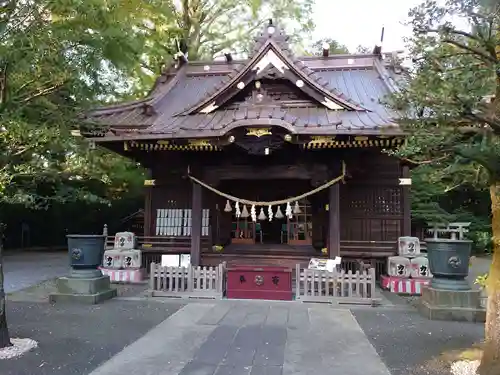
(88,291)
(457,305)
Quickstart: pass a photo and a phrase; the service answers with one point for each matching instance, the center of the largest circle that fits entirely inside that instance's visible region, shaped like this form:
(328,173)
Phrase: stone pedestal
(83,290)
(457,305)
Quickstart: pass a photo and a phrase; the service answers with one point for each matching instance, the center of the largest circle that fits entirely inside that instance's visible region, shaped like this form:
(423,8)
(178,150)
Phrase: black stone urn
(449,263)
(85,254)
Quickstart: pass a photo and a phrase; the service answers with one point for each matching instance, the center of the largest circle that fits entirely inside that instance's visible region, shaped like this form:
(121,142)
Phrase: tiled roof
(362,80)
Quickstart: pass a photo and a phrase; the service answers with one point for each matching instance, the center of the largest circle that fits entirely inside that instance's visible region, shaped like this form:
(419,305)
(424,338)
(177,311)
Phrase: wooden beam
(196,221)
(406,197)
(272,172)
(334,221)
(148,209)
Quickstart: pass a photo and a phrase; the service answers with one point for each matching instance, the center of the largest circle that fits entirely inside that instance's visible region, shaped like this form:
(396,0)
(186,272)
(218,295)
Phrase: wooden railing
(357,264)
(368,249)
(163,244)
(335,287)
(153,247)
(187,282)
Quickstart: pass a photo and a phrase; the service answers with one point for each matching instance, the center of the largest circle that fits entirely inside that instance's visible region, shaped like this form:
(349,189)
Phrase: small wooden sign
(170,260)
(149,182)
(405,181)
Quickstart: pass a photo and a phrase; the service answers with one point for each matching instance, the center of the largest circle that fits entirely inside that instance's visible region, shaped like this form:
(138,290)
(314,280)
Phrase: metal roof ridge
(156,100)
(384,76)
(118,107)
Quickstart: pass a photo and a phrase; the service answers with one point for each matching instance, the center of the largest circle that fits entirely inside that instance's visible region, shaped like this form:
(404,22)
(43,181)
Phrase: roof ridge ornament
(271,31)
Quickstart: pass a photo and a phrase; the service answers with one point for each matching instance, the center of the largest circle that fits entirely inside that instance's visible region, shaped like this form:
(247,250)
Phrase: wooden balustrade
(189,282)
(335,287)
(368,249)
(163,244)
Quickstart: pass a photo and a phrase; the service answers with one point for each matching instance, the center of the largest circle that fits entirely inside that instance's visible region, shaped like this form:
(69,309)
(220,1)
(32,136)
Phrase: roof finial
(182,53)
(378,47)
(270,28)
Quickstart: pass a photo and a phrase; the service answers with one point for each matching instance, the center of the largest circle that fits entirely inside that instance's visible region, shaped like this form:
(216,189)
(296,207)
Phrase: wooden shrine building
(270,160)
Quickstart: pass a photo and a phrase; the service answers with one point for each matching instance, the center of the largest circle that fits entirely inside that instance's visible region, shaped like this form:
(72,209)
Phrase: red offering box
(250,282)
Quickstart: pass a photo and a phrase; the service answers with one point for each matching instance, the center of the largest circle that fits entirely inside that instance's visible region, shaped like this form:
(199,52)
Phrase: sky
(359,22)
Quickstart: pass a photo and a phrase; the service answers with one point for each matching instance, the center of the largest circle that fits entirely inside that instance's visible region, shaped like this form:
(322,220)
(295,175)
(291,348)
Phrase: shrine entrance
(271,231)
(280,225)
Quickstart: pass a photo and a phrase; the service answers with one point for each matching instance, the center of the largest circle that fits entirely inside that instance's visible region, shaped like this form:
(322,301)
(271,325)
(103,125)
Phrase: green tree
(210,27)
(207,29)
(364,50)
(449,109)
(56,58)
(335,47)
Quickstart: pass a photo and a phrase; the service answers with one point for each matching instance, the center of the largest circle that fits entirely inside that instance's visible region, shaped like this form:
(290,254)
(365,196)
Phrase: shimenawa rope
(273,203)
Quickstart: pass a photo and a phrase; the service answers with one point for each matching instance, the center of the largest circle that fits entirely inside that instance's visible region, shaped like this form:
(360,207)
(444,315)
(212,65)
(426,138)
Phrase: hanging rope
(273,203)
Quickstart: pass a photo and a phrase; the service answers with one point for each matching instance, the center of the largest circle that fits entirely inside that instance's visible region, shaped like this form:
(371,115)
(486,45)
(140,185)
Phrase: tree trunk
(4,331)
(490,363)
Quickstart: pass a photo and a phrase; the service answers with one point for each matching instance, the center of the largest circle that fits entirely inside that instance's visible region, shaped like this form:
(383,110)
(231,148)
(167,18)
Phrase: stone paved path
(26,269)
(250,338)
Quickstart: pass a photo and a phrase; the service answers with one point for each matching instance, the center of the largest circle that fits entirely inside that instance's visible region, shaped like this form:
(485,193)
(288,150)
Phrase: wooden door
(300,225)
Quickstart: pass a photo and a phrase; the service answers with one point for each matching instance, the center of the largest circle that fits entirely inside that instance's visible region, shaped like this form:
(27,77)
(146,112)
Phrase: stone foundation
(88,291)
(457,305)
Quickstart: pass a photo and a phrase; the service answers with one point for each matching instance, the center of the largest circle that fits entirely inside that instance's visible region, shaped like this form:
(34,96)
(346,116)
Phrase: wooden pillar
(196,221)
(333,221)
(406,230)
(148,209)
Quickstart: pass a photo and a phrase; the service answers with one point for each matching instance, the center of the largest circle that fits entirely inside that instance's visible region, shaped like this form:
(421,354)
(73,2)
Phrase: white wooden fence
(339,287)
(187,282)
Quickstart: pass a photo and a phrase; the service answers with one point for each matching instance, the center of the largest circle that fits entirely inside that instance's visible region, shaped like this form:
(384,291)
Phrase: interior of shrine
(272,227)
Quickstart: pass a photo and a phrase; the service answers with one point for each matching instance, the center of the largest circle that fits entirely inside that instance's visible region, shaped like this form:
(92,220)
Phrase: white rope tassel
(244,211)
(237,209)
(228,207)
(253,213)
(270,213)
(262,215)
(296,209)
(288,210)
(279,214)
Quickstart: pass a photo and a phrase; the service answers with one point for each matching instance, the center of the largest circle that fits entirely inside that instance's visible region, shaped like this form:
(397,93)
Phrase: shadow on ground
(412,345)
(75,339)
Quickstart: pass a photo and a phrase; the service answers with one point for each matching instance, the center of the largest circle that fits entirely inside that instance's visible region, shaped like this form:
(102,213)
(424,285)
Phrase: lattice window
(365,201)
(387,201)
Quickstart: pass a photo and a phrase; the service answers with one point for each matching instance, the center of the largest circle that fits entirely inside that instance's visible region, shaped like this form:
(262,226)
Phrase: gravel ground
(41,292)
(409,344)
(75,339)
(27,269)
